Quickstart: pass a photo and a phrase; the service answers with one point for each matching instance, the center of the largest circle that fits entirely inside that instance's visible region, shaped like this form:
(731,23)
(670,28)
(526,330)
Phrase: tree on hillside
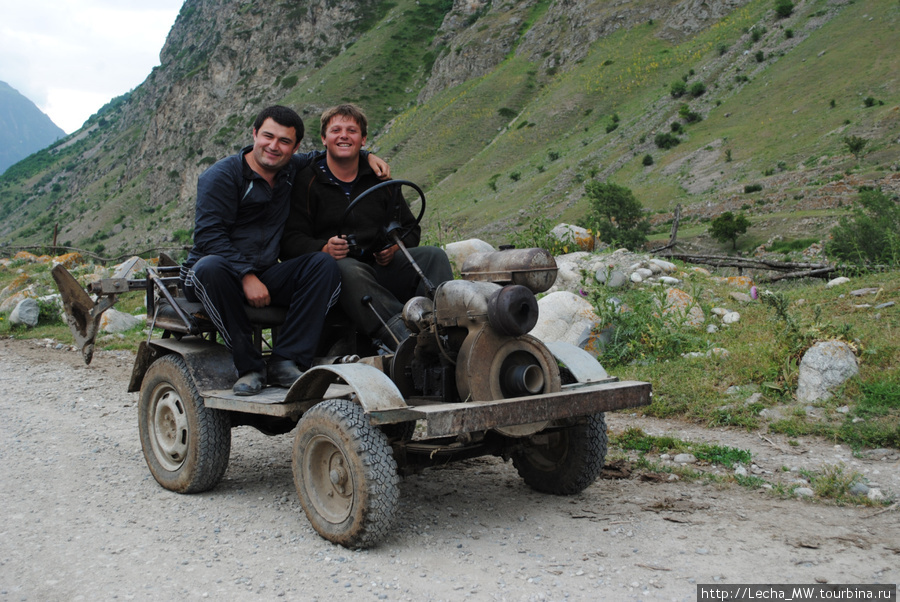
(616,216)
(728,227)
(872,236)
(856,145)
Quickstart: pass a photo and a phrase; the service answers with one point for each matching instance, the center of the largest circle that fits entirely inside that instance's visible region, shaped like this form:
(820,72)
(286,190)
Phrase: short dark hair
(346,110)
(282,116)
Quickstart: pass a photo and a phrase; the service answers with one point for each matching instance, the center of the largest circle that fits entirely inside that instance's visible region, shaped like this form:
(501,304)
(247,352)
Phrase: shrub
(676,127)
(553,155)
(678,89)
(698,89)
(514,176)
(760,56)
(688,115)
(872,235)
(784,8)
(665,140)
(869,101)
(856,145)
(616,215)
(789,33)
(183,236)
(648,160)
(748,188)
(289,82)
(506,112)
(49,312)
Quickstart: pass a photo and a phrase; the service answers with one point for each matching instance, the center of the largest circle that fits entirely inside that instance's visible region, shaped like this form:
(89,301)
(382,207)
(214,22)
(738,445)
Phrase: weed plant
(539,234)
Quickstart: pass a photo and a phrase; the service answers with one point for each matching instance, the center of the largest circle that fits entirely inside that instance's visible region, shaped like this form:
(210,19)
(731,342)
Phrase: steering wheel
(391,226)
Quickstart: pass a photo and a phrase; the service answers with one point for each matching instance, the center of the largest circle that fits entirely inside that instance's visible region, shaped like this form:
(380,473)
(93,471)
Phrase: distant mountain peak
(24,128)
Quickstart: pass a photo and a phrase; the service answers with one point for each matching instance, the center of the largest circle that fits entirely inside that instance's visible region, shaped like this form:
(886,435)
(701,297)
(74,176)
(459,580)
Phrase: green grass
(833,483)
(764,349)
(637,440)
(381,71)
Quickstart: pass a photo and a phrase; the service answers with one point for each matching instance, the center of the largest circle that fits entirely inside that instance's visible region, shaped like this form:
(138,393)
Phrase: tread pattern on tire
(210,436)
(578,469)
(381,494)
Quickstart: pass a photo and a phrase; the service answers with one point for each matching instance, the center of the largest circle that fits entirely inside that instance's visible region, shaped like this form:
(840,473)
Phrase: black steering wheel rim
(379,186)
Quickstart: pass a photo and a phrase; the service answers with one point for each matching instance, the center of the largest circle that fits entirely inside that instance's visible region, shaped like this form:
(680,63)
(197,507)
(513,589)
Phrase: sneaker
(283,373)
(250,383)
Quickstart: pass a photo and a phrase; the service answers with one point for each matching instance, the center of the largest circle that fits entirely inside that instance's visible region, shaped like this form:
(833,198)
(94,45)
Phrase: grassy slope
(382,70)
(781,114)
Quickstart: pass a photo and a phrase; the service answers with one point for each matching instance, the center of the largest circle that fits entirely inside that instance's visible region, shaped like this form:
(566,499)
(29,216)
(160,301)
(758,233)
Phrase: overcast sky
(71,57)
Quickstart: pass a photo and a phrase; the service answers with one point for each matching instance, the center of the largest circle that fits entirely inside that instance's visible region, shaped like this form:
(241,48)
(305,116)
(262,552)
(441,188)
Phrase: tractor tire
(345,474)
(563,461)
(186,445)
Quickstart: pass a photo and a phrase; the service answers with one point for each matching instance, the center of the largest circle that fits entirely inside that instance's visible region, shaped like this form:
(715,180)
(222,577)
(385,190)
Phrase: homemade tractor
(469,381)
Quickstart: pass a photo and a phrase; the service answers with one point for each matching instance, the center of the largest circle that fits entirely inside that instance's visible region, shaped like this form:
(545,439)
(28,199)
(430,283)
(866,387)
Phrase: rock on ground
(824,367)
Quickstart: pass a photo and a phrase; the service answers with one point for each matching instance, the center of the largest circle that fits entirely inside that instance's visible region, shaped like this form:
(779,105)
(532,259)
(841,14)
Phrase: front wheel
(345,474)
(186,445)
(563,461)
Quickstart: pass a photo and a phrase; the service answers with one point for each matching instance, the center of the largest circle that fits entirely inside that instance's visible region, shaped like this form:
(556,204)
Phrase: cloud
(70,57)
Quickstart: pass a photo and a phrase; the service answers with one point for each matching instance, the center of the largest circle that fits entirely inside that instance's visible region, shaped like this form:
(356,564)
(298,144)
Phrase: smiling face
(343,138)
(273,145)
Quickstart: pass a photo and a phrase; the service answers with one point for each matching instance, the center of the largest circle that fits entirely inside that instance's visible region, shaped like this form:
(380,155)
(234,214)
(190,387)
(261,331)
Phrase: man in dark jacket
(320,198)
(242,204)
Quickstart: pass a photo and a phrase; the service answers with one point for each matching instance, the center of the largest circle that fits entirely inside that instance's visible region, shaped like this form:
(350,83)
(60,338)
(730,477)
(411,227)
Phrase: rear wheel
(345,474)
(186,445)
(563,461)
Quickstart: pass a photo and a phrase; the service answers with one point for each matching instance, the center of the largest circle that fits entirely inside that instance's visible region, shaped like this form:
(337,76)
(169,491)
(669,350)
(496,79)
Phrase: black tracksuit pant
(307,286)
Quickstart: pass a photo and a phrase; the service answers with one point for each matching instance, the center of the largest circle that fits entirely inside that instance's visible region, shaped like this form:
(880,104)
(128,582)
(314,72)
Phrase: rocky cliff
(127,179)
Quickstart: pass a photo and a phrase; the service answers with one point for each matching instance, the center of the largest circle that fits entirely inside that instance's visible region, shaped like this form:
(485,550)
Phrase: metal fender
(583,366)
(374,390)
(209,363)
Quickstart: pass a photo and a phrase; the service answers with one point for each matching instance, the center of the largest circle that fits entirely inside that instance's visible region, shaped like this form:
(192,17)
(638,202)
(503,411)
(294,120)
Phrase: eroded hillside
(502,112)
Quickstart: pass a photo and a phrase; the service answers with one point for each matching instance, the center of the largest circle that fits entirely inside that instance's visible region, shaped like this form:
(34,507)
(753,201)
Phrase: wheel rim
(168,428)
(327,479)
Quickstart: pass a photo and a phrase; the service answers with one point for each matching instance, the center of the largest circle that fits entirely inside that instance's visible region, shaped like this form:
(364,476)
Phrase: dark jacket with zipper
(318,206)
(239,216)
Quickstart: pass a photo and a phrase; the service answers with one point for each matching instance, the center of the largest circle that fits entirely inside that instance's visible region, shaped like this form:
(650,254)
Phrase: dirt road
(82,519)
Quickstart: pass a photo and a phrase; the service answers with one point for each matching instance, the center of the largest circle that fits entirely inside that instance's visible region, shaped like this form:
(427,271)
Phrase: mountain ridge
(24,128)
(501,112)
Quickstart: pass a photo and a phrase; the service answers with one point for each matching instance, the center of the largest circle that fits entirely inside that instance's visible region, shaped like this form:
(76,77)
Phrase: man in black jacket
(242,204)
(320,198)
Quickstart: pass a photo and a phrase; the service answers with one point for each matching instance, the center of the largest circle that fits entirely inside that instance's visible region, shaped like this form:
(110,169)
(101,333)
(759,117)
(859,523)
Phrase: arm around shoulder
(300,236)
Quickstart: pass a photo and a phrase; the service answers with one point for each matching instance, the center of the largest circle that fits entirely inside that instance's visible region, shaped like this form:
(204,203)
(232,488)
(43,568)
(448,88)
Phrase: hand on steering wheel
(389,226)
